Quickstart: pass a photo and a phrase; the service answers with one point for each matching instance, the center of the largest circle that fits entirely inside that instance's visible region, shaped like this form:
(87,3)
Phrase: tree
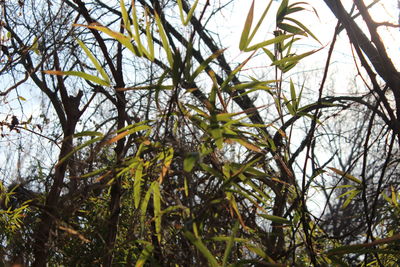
(164,151)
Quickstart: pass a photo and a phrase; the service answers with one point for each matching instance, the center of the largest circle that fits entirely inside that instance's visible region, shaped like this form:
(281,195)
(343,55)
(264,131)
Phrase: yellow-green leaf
(202,248)
(80,74)
(95,62)
(157,208)
(346,175)
(164,41)
(246,29)
(275,219)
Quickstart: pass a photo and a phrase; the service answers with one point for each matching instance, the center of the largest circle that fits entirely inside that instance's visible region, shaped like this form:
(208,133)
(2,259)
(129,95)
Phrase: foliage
(172,160)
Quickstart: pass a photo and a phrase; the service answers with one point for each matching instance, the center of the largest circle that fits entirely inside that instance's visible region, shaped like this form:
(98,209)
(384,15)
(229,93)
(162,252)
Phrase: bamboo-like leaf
(157,208)
(260,252)
(394,197)
(124,40)
(247,27)
(248,145)
(269,54)
(274,40)
(190,161)
(164,40)
(149,38)
(125,17)
(190,13)
(79,74)
(137,184)
(146,252)
(210,170)
(91,141)
(275,219)
(259,23)
(35,46)
(136,35)
(226,82)
(351,194)
(181,15)
(357,247)
(93,173)
(346,175)
(128,132)
(95,62)
(167,160)
(186,186)
(88,133)
(304,28)
(227,238)
(293,96)
(230,244)
(204,64)
(143,207)
(290,28)
(202,248)
(282,11)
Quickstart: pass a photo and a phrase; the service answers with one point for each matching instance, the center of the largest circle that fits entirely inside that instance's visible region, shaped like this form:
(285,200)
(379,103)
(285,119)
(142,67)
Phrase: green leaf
(275,219)
(190,13)
(146,253)
(164,40)
(246,29)
(137,183)
(95,62)
(35,46)
(227,238)
(304,28)
(149,39)
(269,54)
(91,141)
(351,194)
(80,74)
(226,82)
(230,244)
(88,133)
(259,23)
(293,96)
(282,11)
(202,248)
(143,207)
(125,17)
(190,161)
(346,175)
(124,40)
(136,35)
(275,40)
(157,208)
(204,64)
(290,28)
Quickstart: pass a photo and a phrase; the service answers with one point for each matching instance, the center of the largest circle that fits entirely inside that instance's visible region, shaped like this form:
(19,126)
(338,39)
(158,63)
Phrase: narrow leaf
(202,248)
(95,62)
(80,74)
(157,208)
(275,219)
(164,40)
(274,40)
(246,30)
(346,175)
